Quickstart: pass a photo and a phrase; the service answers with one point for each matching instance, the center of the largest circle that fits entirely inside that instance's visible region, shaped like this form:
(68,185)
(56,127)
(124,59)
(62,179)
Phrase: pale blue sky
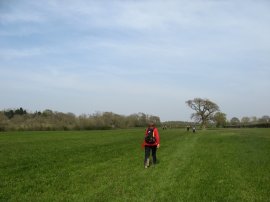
(135,56)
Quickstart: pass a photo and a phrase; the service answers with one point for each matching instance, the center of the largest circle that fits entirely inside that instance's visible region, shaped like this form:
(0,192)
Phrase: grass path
(211,165)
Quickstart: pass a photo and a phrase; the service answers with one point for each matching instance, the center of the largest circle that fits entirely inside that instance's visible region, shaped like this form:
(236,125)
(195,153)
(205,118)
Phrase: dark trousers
(148,150)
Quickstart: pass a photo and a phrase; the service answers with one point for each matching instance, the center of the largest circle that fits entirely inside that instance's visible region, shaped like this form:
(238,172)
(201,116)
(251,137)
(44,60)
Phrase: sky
(131,56)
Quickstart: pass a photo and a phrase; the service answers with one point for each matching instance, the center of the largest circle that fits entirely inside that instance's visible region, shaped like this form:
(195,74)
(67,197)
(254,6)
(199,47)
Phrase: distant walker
(193,129)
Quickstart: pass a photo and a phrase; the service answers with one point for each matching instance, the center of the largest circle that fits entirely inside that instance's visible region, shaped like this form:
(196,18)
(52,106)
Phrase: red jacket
(156,136)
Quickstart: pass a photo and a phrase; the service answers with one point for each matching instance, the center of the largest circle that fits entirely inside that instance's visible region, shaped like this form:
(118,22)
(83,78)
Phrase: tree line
(20,119)
(207,114)
(249,122)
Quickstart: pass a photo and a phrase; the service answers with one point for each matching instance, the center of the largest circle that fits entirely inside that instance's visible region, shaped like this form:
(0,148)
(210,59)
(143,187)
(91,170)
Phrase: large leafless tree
(204,110)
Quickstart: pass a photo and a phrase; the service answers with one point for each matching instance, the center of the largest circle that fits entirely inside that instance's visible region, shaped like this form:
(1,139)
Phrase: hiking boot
(147,162)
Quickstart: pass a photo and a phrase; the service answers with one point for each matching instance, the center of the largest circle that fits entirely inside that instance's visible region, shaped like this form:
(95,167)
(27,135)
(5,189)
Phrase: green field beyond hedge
(211,165)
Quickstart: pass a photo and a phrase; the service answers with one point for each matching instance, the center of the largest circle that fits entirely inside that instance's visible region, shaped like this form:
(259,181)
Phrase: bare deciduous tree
(204,110)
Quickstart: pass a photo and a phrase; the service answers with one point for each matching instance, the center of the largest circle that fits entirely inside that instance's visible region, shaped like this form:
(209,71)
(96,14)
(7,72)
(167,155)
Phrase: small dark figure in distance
(188,127)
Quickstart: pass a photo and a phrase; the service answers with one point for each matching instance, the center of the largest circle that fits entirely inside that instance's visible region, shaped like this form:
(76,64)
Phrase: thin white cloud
(10,54)
(21,17)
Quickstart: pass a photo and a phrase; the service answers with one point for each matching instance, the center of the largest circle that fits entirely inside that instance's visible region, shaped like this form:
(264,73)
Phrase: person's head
(151,125)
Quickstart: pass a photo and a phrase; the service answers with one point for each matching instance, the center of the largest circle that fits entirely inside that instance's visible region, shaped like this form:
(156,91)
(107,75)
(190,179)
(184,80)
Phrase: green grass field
(211,165)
